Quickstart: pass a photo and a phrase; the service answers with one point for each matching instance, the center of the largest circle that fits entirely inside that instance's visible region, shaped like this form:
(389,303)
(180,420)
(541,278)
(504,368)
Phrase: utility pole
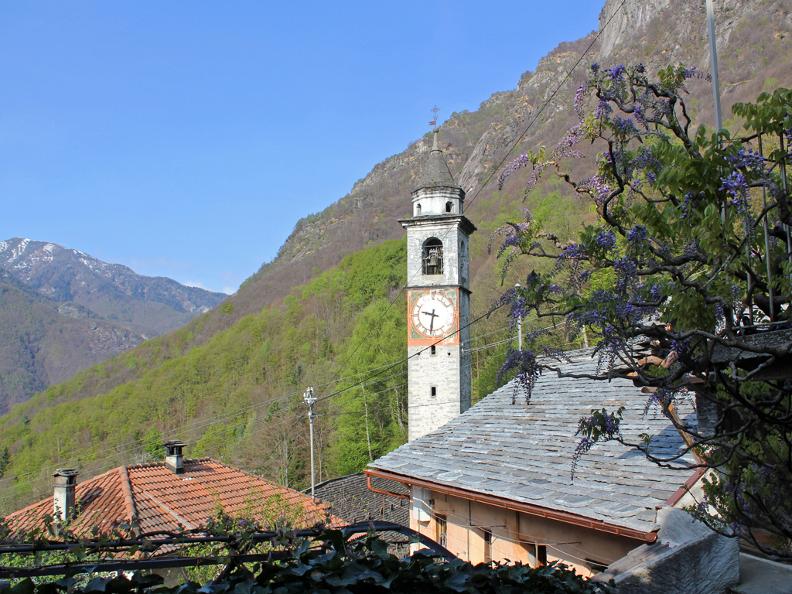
(310,400)
(519,324)
(714,63)
(368,435)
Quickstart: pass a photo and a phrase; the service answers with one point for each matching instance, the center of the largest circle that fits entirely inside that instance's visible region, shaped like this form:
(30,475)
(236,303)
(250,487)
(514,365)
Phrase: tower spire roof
(434,170)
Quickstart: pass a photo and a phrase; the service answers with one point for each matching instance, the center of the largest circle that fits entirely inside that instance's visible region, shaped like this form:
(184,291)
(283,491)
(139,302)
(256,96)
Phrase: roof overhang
(519,506)
(428,220)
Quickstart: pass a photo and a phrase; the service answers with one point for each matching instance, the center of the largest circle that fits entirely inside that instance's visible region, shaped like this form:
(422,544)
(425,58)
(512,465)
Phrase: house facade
(496,484)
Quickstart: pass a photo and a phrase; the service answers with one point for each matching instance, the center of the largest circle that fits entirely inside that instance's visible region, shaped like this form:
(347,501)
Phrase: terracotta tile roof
(159,499)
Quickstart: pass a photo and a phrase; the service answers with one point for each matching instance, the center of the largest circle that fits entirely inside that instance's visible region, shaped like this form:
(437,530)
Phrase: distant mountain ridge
(63,310)
(290,326)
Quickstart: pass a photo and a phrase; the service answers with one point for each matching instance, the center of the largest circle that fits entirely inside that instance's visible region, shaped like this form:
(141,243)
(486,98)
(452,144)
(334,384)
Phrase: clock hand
(432,316)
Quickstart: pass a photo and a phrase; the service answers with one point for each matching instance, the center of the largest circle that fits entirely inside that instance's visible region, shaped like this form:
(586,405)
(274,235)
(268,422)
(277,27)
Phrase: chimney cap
(66,472)
(174,447)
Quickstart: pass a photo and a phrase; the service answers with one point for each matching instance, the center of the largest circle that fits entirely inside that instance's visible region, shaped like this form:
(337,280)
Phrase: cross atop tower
(433,121)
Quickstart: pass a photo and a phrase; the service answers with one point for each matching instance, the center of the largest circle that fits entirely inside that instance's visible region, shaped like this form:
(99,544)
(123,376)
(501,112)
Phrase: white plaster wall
(449,369)
(433,201)
(425,412)
(450,236)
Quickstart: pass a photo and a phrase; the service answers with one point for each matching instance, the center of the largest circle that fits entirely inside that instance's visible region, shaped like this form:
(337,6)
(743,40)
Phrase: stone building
(438,298)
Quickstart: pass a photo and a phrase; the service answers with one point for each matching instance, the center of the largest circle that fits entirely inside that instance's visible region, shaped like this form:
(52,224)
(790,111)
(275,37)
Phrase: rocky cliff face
(62,310)
(754,46)
(755,51)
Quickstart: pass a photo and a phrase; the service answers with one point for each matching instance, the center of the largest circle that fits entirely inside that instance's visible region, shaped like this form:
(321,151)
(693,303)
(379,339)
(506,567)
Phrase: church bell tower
(438,298)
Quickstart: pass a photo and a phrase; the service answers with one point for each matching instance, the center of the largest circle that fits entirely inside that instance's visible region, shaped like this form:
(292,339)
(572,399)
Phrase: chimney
(174,460)
(64,499)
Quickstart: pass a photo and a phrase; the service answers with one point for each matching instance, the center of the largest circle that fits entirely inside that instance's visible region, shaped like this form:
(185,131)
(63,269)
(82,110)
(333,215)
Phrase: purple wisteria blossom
(747,158)
(736,186)
(617,72)
(518,163)
(638,113)
(637,234)
(602,110)
(565,148)
(624,126)
(574,251)
(528,370)
(605,239)
(580,94)
(598,188)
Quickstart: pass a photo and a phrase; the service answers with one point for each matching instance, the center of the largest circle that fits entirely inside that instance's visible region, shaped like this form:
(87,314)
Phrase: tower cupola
(436,192)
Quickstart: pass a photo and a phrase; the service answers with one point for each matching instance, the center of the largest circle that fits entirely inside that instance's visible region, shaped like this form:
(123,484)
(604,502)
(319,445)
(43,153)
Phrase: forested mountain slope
(62,310)
(230,382)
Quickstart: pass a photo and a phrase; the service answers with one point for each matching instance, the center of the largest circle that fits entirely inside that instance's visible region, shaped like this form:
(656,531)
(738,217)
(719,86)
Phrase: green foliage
(674,282)
(361,566)
(235,397)
(152,444)
(5,458)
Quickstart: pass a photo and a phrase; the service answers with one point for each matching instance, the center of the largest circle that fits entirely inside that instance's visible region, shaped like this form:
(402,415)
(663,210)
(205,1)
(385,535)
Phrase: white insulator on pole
(310,400)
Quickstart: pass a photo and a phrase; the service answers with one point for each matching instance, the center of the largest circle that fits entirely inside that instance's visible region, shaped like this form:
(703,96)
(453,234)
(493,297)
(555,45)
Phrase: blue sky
(186,138)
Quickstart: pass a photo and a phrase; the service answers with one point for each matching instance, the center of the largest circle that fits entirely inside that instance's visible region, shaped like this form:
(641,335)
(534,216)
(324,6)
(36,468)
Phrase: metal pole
(519,325)
(310,400)
(785,189)
(768,263)
(714,63)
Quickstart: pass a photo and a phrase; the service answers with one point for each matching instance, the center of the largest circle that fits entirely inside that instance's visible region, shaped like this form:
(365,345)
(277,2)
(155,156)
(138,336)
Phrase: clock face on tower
(433,315)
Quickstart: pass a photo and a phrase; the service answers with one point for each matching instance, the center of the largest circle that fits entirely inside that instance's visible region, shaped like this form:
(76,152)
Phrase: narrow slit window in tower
(432,256)
(434,391)
(433,350)
(449,206)
(418,209)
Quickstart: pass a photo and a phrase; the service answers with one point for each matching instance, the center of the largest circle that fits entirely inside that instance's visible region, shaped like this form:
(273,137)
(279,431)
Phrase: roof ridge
(79,485)
(161,463)
(129,497)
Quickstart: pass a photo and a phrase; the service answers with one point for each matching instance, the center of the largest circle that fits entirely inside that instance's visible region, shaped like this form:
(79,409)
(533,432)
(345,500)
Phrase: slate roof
(434,171)
(524,453)
(159,499)
(350,498)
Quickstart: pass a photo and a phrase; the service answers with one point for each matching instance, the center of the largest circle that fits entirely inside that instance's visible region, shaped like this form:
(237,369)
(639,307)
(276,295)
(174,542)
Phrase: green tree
(683,282)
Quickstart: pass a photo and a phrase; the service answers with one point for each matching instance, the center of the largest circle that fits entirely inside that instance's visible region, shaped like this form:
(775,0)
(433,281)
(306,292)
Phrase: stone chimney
(64,498)
(174,460)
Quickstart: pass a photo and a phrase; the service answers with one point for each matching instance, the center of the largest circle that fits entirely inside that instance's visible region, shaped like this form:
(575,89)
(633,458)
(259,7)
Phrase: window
(541,555)
(418,209)
(434,391)
(441,531)
(432,256)
(449,206)
(487,546)
(433,350)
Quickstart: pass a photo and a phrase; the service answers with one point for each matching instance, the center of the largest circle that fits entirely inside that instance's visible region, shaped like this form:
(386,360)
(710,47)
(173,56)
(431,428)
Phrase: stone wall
(687,557)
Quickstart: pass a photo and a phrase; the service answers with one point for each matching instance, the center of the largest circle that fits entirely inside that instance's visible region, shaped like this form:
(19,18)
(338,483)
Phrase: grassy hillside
(238,396)
(230,383)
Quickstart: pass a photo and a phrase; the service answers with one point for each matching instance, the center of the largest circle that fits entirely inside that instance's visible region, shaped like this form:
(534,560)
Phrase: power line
(546,103)
(519,139)
(417,353)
